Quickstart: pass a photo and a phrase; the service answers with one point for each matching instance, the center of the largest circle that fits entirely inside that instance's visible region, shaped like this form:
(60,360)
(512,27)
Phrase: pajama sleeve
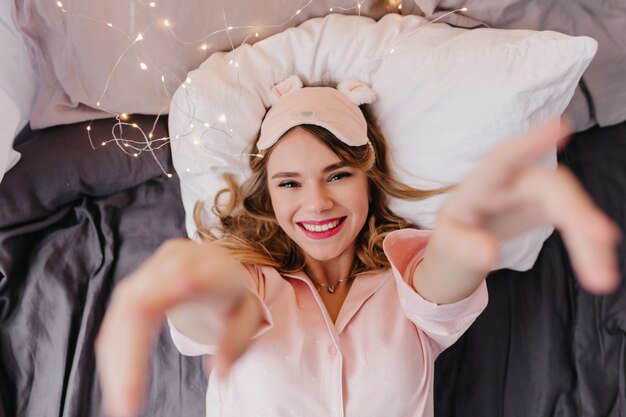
(256,285)
(443,324)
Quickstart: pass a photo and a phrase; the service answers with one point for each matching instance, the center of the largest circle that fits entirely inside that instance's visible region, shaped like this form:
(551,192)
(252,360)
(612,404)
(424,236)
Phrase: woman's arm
(508,195)
(455,262)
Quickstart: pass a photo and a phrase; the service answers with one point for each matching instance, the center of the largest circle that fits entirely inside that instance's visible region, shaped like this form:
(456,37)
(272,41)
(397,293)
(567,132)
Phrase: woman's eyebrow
(333,167)
(286,175)
(291,174)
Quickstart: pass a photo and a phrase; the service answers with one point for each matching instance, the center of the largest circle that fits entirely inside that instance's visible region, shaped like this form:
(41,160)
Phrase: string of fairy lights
(148,142)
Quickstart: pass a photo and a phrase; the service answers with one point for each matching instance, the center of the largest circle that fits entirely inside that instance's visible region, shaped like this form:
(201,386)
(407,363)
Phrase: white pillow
(18,84)
(446,96)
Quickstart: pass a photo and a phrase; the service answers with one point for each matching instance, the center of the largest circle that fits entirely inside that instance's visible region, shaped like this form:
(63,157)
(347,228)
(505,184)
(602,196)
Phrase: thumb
(241,326)
(592,250)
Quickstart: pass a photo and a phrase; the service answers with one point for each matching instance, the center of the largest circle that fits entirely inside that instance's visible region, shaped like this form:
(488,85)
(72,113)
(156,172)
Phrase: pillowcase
(602,96)
(17,87)
(446,96)
(75,52)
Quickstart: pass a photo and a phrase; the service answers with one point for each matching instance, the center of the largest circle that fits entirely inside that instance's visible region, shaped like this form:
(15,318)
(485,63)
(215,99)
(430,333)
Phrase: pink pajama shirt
(376,360)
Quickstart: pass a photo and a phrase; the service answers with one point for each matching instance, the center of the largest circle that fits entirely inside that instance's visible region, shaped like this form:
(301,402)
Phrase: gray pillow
(59,166)
(601,97)
(75,52)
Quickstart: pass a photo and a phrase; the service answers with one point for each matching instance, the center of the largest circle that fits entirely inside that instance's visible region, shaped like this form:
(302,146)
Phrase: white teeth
(320,227)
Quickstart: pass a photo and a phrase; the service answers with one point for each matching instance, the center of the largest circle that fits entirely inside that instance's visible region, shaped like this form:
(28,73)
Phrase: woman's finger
(513,155)
(592,251)
(124,344)
(486,190)
(122,352)
(243,323)
(590,236)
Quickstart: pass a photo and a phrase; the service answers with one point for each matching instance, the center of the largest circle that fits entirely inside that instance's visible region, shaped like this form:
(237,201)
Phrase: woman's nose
(318,199)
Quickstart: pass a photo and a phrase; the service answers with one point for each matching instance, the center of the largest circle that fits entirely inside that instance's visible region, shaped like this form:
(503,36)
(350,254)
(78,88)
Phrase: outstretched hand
(179,271)
(508,194)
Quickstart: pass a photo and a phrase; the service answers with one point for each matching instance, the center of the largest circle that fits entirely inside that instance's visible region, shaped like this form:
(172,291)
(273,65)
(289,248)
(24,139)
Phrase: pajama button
(333,351)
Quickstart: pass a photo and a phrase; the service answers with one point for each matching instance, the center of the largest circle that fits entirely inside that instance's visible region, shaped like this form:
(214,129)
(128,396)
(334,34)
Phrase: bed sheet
(73,222)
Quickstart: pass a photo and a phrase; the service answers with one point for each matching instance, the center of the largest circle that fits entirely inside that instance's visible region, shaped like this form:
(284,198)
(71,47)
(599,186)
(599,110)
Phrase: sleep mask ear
(336,110)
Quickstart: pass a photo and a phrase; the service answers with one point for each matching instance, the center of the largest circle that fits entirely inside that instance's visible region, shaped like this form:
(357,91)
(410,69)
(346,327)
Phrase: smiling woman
(314,278)
(324,193)
(249,224)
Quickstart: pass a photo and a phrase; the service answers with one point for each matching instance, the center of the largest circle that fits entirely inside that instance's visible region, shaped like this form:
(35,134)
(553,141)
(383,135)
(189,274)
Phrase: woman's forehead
(300,150)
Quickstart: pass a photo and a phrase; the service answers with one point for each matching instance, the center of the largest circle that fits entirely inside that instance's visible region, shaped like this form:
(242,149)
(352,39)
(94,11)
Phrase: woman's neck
(329,272)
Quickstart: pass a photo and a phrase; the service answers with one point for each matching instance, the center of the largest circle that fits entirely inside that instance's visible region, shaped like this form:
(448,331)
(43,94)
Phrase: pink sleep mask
(336,110)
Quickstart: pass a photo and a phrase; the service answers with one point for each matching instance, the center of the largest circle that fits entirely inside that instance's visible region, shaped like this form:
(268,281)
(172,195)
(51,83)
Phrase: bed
(74,221)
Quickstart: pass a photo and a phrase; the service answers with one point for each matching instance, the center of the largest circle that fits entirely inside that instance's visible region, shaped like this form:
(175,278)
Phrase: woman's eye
(339,176)
(288,184)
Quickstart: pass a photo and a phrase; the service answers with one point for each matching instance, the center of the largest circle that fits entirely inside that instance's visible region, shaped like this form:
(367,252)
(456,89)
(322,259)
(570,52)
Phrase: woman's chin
(324,252)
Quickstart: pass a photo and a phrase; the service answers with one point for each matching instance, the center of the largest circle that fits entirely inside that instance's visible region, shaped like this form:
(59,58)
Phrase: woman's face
(320,203)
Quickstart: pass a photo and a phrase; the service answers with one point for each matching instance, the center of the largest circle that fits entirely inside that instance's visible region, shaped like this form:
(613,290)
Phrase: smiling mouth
(320,228)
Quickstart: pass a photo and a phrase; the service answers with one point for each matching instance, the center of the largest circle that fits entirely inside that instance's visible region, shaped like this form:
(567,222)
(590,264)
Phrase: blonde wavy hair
(248,227)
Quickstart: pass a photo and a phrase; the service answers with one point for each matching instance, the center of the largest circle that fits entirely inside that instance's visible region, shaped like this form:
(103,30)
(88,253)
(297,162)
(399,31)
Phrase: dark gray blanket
(73,222)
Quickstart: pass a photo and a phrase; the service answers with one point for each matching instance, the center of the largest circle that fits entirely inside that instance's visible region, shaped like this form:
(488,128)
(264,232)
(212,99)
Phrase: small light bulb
(88,128)
(188,170)
(169,175)
(110,25)
(104,143)
(256,34)
(400,6)
(222,118)
(150,135)
(135,155)
(207,125)
(152,4)
(167,23)
(98,104)
(124,116)
(188,80)
(59,4)
(204,47)
(230,62)
(298,11)
(126,145)
(143,66)
(464,9)
(330,10)
(135,125)
(139,37)
(236,64)
(191,125)
(229,28)
(392,49)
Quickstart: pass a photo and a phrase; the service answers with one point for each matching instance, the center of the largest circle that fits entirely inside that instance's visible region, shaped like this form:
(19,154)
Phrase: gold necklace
(329,287)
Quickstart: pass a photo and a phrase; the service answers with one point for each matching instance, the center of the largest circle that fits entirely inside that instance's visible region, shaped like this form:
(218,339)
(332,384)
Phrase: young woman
(316,299)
